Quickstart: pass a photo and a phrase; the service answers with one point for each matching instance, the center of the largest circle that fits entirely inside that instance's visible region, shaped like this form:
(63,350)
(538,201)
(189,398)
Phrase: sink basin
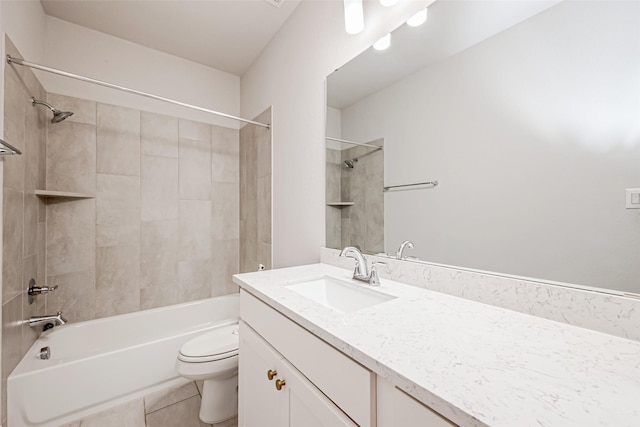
(339,295)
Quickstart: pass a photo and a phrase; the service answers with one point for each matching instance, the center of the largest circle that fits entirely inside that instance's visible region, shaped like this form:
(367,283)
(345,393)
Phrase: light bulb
(353,16)
(383,43)
(388,3)
(418,19)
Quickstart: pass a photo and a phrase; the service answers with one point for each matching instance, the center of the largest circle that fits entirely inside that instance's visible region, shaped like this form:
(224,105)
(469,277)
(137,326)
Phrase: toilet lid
(217,344)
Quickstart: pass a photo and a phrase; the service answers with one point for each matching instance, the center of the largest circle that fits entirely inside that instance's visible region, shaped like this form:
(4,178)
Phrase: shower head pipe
(58,115)
(22,62)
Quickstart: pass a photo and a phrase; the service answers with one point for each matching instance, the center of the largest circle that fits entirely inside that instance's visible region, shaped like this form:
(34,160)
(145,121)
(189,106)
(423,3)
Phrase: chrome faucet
(403,246)
(361,272)
(55,319)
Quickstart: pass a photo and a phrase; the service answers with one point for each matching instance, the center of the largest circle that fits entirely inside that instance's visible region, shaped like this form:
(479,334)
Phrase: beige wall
(361,224)
(334,195)
(255,195)
(23,237)
(163,226)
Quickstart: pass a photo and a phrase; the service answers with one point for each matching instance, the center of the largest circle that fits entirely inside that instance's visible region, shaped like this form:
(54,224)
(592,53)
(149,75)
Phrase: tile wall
(334,195)
(163,227)
(255,195)
(361,224)
(23,240)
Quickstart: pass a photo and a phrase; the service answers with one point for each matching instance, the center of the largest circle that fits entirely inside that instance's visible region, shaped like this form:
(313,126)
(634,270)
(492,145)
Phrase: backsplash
(606,313)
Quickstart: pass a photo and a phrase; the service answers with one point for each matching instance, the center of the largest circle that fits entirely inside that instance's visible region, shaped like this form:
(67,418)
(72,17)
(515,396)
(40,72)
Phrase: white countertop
(476,364)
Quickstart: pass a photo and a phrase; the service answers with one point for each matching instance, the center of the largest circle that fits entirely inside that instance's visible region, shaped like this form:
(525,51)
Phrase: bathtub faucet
(55,319)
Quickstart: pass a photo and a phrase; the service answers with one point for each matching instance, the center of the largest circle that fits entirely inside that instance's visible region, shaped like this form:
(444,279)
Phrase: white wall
(290,75)
(534,135)
(79,50)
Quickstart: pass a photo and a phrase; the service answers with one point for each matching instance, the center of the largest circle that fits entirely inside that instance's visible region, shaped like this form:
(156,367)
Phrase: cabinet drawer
(348,384)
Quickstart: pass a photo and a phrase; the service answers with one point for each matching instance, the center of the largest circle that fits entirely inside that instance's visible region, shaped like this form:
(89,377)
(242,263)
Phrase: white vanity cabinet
(319,380)
(290,378)
(288,399)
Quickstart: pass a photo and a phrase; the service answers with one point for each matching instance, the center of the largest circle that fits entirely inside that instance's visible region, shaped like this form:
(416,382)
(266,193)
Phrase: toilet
(213,357)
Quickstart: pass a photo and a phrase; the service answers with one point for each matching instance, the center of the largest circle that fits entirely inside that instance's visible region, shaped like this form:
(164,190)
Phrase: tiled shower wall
(163,227)
(255,195)
(361,224)
(23,240)
(333,195)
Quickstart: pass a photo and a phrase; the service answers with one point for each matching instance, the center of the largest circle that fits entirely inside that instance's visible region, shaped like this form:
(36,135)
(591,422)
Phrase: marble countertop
(476,364)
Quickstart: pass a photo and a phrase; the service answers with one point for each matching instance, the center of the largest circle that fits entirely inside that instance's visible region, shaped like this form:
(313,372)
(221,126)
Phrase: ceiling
(224,34)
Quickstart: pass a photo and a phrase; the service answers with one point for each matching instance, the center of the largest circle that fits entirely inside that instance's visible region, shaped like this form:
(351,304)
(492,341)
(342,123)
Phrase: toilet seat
(220,343)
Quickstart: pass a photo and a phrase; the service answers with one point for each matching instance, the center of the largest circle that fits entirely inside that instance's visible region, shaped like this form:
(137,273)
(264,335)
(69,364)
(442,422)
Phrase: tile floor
(174,407)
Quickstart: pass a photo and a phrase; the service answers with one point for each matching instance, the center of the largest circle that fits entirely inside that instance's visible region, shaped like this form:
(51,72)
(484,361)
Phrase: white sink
(338,294)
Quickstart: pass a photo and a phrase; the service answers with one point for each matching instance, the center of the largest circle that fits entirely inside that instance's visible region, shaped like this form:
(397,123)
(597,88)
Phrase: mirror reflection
(526,113)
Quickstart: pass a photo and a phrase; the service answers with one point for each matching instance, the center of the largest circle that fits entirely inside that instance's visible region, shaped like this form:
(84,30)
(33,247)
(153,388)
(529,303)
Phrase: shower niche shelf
(339,204)
(51,194)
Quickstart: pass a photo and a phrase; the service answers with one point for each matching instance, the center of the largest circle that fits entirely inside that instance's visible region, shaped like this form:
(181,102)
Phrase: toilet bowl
(213,357)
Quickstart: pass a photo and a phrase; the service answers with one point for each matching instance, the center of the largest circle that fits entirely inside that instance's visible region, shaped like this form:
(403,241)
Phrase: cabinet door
(295,403)
(396,408)
(259,402)
(306,405)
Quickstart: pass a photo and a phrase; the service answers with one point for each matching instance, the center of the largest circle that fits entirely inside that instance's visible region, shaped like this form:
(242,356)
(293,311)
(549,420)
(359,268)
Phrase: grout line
(169,406)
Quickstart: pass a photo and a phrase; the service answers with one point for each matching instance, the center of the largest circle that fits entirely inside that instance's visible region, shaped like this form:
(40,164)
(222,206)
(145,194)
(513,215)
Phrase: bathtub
(101,363)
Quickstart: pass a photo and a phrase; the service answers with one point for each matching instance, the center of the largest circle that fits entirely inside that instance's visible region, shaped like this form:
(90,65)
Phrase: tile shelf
(339,204)
(51,194)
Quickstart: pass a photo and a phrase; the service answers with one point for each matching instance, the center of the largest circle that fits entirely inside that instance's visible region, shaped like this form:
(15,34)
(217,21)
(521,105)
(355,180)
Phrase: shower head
(349,163)
(58,115)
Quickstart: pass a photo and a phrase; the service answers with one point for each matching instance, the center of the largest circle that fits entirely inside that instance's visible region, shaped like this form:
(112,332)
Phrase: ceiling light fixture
(353,16)
(418,19)
(388,3)
(383,43)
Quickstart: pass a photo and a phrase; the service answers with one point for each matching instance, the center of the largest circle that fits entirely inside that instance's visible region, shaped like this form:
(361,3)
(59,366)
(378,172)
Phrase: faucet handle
(374,279)
(35,290)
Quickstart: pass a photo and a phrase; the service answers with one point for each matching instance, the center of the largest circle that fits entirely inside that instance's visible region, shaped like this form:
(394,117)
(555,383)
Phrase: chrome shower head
(349,163)
(58,115)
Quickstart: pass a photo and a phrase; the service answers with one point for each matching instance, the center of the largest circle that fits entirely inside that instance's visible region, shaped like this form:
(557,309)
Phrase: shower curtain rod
(377,147)
(22,62)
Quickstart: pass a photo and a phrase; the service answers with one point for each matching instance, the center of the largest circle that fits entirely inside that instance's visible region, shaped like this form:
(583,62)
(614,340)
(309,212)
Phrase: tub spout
(56,319)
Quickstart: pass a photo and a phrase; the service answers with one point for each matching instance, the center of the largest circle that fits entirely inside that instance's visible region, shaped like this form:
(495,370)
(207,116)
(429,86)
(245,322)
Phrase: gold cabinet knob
(280,384)
(271,374)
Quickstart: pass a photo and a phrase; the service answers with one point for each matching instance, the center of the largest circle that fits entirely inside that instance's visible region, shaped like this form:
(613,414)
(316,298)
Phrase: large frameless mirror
(526,114)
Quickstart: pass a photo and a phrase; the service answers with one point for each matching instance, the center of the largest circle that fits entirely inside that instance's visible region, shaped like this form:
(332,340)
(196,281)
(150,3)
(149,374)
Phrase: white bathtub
(104,362)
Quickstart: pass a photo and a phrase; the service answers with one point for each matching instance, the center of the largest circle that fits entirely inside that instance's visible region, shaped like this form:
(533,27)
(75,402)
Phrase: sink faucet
(56,319)
(361,272)
(403,246)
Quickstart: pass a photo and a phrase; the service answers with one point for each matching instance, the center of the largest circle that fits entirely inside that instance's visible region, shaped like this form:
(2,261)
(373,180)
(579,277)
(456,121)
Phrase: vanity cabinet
(289,377)
(274,394)
(338,379)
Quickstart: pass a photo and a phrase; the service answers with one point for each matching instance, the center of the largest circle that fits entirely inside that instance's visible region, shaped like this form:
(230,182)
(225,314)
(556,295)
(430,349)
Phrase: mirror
(526,113)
